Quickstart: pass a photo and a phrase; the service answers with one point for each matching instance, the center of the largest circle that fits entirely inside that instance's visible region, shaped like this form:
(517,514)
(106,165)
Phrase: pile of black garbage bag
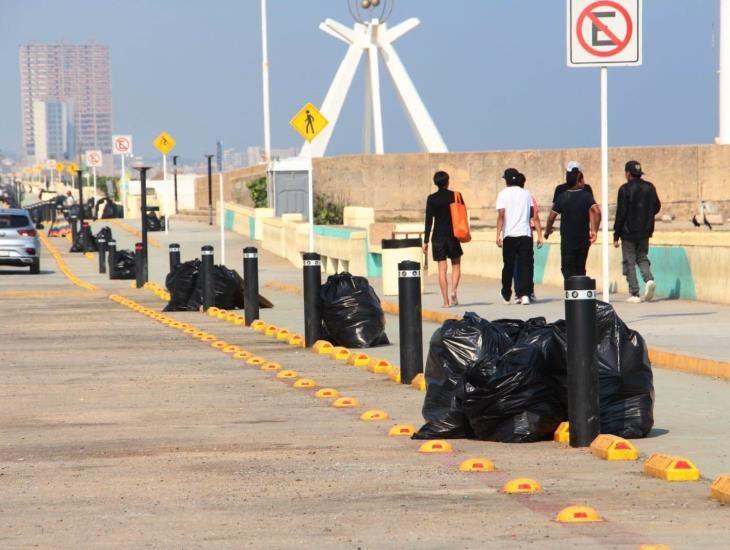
(85,241)
(106,208)
(506,380)
(124,266)
(155,223)
(185,285)
(351,312)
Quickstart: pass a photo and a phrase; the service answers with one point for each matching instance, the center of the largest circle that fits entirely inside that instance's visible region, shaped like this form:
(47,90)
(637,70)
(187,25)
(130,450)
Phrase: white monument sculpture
(374,37)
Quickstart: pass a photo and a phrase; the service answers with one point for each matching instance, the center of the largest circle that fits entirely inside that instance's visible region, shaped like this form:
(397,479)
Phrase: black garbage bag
(626,381)
(351,312)
(85,241)
(124,265)
(180,283)
(454,347)
(105,233)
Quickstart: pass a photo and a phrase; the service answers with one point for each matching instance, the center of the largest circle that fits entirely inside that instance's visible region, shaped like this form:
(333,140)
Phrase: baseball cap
(573,165)
(633,167)
(510,175)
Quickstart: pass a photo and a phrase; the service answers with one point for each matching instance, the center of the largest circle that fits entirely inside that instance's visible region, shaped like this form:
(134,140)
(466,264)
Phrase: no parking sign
(602,33)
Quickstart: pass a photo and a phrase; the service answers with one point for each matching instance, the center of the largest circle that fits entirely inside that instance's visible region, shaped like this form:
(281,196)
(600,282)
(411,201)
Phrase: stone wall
(234,185)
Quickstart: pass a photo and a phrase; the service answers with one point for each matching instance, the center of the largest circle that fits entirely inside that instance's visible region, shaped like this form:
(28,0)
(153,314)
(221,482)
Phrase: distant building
(233,159)
(255,154)
(53,131)
(78,76)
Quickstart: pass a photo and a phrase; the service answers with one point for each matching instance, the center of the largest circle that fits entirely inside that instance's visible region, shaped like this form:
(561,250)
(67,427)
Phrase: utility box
(289,186)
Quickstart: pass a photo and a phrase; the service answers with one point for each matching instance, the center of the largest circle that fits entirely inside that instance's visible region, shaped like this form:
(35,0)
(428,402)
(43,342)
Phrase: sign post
(221,214)
(51,167)
(165,143)
(603,33)
(122,145)
(94,159)
(309,122)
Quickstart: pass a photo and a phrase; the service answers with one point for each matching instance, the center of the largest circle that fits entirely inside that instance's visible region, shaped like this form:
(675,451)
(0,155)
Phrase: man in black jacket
(636,207)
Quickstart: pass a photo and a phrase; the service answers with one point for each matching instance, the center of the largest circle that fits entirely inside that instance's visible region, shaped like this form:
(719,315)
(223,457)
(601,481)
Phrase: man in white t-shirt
(514,237)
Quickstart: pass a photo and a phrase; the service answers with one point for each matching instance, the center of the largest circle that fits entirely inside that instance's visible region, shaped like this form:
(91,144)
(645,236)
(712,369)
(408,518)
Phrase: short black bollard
(251,284)
(312,305)
(206,272)
(74,222)
(101,245)
(582,333)
(139,264)
(85,237)
(174,256)
(111,250)
(409,320)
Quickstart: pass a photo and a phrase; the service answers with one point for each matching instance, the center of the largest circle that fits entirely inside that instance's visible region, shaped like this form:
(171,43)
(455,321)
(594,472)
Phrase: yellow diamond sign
(308,122)
(164,143)
(59,167)
(72,167)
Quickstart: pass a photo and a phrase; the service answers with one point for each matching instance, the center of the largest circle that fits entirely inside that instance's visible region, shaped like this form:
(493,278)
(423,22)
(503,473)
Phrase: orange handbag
(460,219)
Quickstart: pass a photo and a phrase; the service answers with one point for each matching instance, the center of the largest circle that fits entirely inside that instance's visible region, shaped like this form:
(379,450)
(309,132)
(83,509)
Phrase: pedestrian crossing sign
(309,122)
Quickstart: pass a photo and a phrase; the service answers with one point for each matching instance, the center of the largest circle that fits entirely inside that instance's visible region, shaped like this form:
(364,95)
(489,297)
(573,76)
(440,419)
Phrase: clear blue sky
(492,73)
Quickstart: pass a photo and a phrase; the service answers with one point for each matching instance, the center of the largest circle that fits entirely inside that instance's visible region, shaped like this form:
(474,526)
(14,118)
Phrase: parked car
(19,243)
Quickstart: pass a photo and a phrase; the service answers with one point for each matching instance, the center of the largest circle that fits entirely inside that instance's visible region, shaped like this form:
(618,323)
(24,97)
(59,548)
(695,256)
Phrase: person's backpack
(460,219)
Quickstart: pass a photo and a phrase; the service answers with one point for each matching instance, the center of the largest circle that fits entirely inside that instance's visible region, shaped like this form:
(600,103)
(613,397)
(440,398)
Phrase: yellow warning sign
(164,143)
(59,167)
(72,167)
(309,122)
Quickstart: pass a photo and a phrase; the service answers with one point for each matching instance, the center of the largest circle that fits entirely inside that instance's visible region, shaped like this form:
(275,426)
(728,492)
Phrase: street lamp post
(143,192)
(174,175)
(210,188)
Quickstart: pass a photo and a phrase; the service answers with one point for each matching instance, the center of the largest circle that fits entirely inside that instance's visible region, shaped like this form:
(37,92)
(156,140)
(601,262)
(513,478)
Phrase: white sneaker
(633,300)
(525,301)
(516,301)
(649,291)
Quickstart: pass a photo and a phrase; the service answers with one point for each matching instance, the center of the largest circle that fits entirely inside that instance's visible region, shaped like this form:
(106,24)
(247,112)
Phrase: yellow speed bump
(322,346)
(326,393)
(521,485)
(477,465)
(283,334)
(255,361)
(611,447)
(358,359)
(562,434)
(231,316)
(239,320)
(221,315)
(338,353)
(190,330)
(271,366)
(271,330)
(209,338)
(720,489)
(373,415)
(199,334)
(258,325)
(402,430)
(436,446)
(219,344)
(379,366)
(578,514)
(296,340)
(305,383)
(243,354)
(287,374)
(345,403)
(231,348)
(671,468)
(419,382)
(213,311)
(394,375)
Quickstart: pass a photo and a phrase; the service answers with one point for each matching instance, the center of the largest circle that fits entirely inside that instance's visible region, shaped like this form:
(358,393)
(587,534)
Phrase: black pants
(519,248)
(573,261)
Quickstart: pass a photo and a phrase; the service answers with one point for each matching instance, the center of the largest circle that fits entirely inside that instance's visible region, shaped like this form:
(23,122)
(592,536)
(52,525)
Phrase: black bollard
(111,249)
(206,272)
(143,216)
(74,221)
(251,284)
(174,256)
(582,334)
(101,245)
(139,264)
(85,237)
(312,305)
(81,195)
(409,320)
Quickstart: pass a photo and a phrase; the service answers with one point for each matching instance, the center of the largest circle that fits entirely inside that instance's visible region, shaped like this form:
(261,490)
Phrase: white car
(19,242)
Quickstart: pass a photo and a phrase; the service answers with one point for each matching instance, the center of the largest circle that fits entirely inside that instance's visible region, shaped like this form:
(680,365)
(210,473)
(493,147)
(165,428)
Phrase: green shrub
(327,211)
(259,196)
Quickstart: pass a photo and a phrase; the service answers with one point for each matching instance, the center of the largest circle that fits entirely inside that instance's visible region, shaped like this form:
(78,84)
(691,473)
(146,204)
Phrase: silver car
(19,243)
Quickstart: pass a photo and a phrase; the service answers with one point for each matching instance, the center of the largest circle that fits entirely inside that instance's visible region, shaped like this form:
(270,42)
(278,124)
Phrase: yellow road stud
(654,547)
(394,375)
(358,359)
(419,382)
(521,485)
(239,320)
(401,430)
(379,366)
(209,338)
(338,353)
(258,325)
(255,361)
(671,468)
(345,402)
(374,415)
(221,314)
(213,311)
(322,346)
(476,465)
(176,324)
(191,330)
(305,383)
(132,285)
(243,354)
(611,447)
(578,514)
(326,393)
(283,334)
(436,446)
(200,334)
(219,344)
(296,340)
(287,374)
(720,489)
(271,366)
(231,348)
(230,316)
(562,434)
(271,330)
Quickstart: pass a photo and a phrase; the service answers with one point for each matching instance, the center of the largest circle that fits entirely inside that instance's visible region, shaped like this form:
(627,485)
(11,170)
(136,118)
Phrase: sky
(492,73)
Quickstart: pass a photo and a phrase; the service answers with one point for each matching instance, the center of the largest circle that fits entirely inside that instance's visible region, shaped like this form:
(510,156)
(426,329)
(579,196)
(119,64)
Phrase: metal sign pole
(222,218)
(310,190)
(604,185)
(123,185)
(93,175)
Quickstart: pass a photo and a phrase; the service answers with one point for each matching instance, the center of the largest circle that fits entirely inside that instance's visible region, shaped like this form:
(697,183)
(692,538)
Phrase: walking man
(636,206)
(579,220)
(514,237)
(444,244)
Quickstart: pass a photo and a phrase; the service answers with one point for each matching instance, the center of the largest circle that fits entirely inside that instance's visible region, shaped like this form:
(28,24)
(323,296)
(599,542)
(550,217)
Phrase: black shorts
(446,248)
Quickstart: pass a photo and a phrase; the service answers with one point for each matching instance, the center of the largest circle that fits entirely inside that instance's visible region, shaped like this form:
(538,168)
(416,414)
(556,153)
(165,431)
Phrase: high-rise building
(76,75)
(53,131)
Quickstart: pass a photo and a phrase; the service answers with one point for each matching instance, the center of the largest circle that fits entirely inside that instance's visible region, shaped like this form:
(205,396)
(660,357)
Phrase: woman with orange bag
(444,243)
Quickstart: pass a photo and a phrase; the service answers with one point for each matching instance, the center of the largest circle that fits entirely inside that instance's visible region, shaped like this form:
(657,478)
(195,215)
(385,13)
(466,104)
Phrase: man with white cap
(572,167)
